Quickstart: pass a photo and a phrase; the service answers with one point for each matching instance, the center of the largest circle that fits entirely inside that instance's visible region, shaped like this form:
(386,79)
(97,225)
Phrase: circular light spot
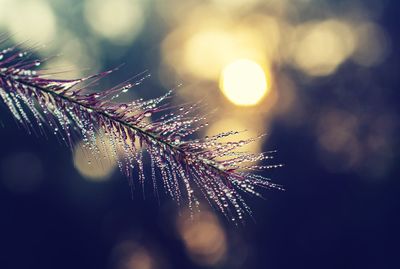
(322,47)
(131,255)
(35,21)
(203,49)
(204,238)
(95,164)
(244,82)
(206,52)
(117,20)
(373,45)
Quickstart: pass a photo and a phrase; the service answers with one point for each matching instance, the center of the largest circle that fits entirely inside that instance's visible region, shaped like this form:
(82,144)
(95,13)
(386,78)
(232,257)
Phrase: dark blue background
(322,220)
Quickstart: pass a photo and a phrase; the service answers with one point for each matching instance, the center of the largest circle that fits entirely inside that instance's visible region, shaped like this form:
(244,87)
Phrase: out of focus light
(203,49)
(337,134)
(131,255)
(117,20)
(244,82)
(235,4)
(21,172)
(206,52)
(63,68)
(337,130)
(32,21)
(269,32)
(321,47)
(372,45)
(348,142)
(74,56)
(140,259)
(95,164)
(204,238)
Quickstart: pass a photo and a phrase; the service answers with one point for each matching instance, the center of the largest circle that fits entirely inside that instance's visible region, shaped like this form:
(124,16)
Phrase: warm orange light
(321,47)
(204,238)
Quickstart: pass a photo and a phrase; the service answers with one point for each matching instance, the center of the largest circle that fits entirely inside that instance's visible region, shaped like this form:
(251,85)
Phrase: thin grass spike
(187,167)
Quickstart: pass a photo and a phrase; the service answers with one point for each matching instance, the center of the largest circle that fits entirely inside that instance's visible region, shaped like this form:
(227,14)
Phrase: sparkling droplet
(177,140)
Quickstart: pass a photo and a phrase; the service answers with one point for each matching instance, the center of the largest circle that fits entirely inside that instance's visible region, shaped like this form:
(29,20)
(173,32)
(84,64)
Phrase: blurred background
(319,77)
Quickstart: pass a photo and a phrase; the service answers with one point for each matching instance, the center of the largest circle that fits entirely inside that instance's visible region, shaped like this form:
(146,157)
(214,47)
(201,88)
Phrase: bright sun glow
(244,82)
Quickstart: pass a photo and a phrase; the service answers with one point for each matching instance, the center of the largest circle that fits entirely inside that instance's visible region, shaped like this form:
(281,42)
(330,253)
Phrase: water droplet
(177,140)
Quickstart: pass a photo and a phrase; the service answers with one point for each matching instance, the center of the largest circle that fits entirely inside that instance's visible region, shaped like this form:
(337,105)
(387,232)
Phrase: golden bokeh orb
(120,21)
(244,82)
(321,47)
(95,165)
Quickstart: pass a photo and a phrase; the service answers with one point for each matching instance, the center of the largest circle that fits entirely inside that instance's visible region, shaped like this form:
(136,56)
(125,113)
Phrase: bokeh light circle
(120,21)
(244,82)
